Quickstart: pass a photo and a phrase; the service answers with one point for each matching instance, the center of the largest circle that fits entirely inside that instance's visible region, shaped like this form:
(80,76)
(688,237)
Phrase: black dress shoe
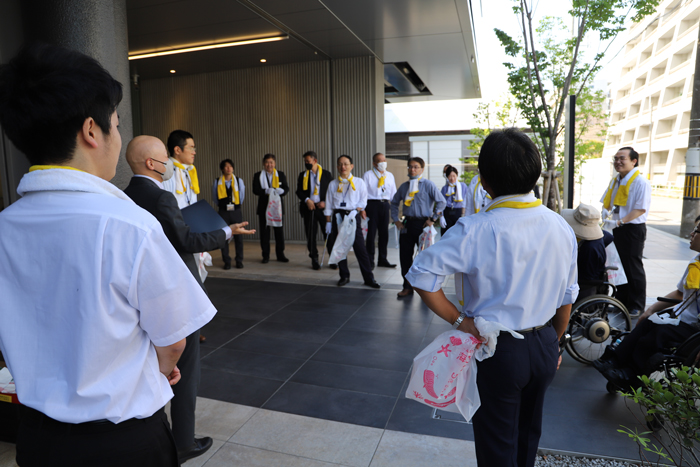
(239,265)
(283,259)
(385,264)
(635,313)
(199,447)
(374,284)
(343,281)
(227,266)
(314,265)
(333,266)
(266,260)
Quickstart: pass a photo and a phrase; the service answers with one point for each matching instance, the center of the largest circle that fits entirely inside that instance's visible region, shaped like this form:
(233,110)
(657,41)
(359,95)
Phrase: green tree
(548,62)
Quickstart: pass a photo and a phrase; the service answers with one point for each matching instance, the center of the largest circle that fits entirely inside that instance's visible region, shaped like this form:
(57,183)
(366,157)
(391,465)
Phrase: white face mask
(381,166)
(169,169)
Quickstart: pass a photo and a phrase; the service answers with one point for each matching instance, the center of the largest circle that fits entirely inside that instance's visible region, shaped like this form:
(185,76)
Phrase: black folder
(202,218)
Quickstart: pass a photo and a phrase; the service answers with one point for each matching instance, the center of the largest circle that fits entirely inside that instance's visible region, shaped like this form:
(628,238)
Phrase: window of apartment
(646,54)
(658,71)
(673,92)
(642,159)
(651,28)
(664,40)
(616,117)
(689,22)
(632,44)
(643,132)
(634,109)
(629,66)
(665,126)
(623,93)
(671,10)
(658,162)
(685,123)
(640,82)
(628,136)
(614,139)
(682,57)
(651,102)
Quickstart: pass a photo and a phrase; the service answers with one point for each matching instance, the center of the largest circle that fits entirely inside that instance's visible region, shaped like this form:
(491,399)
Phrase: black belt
(341,211)
(525,331)
(410,218)
(378,200)
(85,426)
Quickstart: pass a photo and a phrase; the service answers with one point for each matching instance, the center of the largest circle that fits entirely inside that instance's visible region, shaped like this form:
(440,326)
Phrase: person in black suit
(263,183)
(149,161)
(312,185)
(229,192)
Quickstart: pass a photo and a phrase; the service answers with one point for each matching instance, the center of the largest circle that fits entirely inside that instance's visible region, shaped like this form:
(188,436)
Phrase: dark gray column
(96,28)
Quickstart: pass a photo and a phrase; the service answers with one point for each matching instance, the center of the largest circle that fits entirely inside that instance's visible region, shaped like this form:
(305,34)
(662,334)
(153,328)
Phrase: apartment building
(650,101)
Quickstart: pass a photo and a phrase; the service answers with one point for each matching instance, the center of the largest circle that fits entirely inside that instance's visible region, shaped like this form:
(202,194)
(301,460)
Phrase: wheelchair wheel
(595,322)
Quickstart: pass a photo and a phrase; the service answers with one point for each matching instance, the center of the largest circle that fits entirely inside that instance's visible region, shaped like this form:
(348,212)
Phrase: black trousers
(512,384)
(629,241)
(379,219)
(313,220)
(184,402)
(358,247)
(265,238)
(45,442)
(645,340)
(408,241)
(233,217)
(452,215)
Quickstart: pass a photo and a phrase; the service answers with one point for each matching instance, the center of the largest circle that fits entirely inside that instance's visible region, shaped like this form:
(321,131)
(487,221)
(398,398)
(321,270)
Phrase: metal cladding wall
(285,110)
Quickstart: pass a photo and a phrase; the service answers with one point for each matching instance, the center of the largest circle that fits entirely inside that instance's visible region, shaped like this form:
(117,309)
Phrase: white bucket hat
(584,220)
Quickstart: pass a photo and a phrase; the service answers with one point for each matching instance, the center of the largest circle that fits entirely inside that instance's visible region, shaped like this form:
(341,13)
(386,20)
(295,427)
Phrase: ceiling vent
(401,81)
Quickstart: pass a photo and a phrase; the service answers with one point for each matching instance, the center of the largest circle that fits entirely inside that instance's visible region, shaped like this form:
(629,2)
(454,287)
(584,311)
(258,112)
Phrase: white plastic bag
(444,373)
(427,238)
(202,259)
(273,214)
(345,238)
(364,225)
(615,277)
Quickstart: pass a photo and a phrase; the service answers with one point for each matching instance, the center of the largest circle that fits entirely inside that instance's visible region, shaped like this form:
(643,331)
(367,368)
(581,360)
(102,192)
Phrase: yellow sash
(692,280)
(340,183)
(318,179)
(221,189)
(46,167)
(193,178)
(412,194)
(380,182)
(623,192)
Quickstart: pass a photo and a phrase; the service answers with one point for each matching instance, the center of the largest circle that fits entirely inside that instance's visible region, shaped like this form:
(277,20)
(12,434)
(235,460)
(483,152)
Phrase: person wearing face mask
(381,188)
(422,205)
(264,183)
(312,186)
(347,194)
(148,160)
(229,193)
(626,205)
(456,195)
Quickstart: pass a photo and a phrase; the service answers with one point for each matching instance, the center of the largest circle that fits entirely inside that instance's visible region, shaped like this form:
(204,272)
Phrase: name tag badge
(342,205)
(230,207)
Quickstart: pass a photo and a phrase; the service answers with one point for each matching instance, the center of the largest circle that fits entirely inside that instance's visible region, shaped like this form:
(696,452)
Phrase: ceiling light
(197,48)
(262,60)
(172,71)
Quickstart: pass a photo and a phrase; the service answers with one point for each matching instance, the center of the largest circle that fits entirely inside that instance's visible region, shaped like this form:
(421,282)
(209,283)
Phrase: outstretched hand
(239,229)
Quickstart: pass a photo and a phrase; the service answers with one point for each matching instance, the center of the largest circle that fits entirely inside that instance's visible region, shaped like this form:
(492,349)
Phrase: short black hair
(269,156)
(374,158)
(346,156)
(449,170)
(417,159)
(696,220)
(223,163)
(46,94)
(509,162)
(633,154)
(310,153)
(178,138)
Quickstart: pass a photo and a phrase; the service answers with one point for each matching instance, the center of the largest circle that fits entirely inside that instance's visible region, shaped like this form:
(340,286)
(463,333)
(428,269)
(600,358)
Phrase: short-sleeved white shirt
(476,197)
(89,284)
(386,192)
(518,265)
(639,198)
(691,311)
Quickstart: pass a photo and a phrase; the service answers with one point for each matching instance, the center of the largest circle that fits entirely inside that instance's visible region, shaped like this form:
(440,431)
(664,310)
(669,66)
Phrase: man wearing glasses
(422,205)
(626,206)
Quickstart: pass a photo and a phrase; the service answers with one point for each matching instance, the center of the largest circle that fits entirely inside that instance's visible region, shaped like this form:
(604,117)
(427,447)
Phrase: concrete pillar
(96,28)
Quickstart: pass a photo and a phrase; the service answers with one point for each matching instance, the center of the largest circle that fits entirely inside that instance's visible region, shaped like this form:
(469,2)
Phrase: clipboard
(202,218)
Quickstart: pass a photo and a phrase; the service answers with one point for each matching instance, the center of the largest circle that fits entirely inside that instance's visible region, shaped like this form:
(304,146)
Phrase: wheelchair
(596,321)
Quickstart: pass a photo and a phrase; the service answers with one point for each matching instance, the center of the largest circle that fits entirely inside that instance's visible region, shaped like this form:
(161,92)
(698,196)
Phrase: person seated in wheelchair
(592,241)
(658,329)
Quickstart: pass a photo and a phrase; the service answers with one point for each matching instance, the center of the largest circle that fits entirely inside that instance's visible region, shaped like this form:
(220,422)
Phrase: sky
(457,114)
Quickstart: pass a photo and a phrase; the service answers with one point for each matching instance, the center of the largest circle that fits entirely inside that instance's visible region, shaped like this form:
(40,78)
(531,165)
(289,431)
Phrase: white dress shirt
(518,265)
(89,284)
(188,197)
(353,199)
(386,192)
(313,182)
(639,198)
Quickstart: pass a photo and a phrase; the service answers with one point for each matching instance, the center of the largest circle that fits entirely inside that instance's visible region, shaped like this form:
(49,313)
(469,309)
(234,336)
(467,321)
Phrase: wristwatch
(459,320)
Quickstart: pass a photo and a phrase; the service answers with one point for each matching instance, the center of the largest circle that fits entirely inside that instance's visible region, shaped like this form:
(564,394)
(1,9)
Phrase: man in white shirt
(92,332)
(626,203)
(381,188)
(517,264)
(184,183)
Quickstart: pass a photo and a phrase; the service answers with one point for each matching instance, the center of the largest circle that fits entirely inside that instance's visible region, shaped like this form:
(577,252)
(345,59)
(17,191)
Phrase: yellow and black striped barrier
(692,186)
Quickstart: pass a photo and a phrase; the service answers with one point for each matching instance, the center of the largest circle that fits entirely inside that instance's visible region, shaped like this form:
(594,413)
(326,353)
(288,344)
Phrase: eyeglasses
(414,167)
(619,159)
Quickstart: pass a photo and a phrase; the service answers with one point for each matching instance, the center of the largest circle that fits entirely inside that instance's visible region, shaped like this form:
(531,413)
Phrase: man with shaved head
(149,161)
